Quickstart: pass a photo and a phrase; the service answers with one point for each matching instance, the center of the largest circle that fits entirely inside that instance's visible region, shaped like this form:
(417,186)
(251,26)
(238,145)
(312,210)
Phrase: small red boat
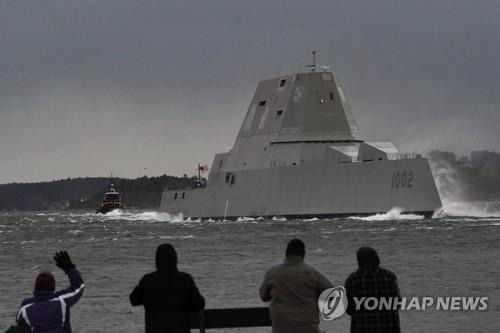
(112,201)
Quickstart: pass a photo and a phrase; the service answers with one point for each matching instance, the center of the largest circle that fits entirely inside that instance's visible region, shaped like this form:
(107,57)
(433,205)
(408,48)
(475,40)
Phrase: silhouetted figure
(48,311)
(168,296)
(371,281)
(293,289)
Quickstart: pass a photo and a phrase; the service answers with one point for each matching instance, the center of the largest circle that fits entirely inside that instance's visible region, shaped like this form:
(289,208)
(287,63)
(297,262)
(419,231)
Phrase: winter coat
(293,289)
(168,297)
(48,311)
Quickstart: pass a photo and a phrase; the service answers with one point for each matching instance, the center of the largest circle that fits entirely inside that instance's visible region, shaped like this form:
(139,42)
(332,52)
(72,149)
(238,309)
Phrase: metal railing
(230,318)
(404,156)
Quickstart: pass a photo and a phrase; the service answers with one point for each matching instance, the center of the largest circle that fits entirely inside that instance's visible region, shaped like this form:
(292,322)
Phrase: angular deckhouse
(299,154)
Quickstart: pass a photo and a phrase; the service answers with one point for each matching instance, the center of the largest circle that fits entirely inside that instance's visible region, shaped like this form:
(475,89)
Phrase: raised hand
(63,261)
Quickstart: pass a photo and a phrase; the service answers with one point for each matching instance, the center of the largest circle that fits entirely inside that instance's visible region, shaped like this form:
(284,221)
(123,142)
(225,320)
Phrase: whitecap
(177,237)
(245,219)
(144,216)
(192,220)
(393,214)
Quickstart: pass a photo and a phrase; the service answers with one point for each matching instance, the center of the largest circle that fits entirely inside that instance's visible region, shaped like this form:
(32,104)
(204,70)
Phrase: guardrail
(407,156)
(230,318)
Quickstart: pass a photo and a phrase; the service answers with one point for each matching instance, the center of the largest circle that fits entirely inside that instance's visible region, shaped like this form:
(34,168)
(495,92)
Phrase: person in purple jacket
(48,311)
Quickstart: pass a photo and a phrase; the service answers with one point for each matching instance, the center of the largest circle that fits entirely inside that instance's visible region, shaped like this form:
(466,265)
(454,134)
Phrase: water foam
(245,219)
(392,215)
(454,195)
(469,209)
(311,219)
(143,216)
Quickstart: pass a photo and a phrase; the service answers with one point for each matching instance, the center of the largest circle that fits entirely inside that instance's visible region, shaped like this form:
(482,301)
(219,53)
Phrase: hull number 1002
(402,179)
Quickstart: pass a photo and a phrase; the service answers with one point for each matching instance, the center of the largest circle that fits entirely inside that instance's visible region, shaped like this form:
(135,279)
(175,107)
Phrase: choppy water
(448,256)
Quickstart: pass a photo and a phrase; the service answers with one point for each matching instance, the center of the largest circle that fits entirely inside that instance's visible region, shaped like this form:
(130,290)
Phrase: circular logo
(332,303)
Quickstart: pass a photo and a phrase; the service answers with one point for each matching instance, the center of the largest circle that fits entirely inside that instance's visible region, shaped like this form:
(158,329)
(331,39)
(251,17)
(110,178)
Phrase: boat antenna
(313,66)
(199,173)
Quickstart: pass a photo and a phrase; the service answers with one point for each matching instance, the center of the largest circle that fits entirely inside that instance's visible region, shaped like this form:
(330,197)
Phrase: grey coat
(293,288)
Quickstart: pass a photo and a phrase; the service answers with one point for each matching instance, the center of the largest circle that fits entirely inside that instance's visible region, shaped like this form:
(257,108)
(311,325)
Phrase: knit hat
(45,281)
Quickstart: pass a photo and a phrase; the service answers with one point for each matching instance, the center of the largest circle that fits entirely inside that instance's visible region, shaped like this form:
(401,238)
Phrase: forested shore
(87,193)
(469,178)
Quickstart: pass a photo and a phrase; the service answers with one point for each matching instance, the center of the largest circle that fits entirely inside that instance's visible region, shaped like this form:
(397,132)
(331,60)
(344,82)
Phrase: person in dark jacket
(168,295)
(370,280)
(48,311)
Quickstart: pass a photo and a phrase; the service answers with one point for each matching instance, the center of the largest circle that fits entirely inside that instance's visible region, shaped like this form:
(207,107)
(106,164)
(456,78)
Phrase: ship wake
(143,216)
(468,209)
(395,214)
(455,192)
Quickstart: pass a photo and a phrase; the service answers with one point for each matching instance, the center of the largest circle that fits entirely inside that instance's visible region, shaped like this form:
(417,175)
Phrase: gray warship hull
(298,154)
(306,191)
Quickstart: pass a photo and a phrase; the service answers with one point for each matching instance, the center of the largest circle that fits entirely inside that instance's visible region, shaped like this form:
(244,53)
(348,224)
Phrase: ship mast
(313,66)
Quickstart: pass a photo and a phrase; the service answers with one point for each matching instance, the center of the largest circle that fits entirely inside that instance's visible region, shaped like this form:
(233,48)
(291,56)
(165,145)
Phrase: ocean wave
(245,219)
(392,215)
(311,219)
(190,219)
(177,237)
(143,216)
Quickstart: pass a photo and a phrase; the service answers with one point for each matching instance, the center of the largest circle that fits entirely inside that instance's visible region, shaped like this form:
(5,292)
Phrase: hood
(166,258)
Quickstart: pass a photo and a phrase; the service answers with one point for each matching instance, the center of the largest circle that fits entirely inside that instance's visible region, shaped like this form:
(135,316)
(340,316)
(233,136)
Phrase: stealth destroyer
(298,154)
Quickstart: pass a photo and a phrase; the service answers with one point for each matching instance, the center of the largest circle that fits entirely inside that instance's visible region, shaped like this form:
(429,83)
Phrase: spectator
(48,311)
(293,288)
(370,280)
(168,296)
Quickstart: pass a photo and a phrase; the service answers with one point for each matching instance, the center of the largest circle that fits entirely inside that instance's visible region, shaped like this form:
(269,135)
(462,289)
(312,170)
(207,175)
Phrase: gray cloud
(91,87)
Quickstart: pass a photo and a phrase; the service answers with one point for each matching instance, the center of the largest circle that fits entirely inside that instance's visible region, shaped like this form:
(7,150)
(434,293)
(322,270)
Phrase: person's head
(166,257)
(367,257)
(45,282)
(296,247)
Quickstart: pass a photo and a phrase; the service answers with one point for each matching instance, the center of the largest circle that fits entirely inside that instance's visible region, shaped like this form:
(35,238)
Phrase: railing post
(201,321)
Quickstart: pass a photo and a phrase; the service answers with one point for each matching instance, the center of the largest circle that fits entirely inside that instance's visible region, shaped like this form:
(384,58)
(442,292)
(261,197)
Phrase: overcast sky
(153,87)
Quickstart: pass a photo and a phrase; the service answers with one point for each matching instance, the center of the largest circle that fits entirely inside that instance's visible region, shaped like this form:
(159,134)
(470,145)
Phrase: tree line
(470,178)
(87,193)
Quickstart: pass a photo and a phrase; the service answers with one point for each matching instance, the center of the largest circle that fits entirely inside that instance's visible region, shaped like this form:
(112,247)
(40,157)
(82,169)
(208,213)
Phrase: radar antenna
(314,66)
